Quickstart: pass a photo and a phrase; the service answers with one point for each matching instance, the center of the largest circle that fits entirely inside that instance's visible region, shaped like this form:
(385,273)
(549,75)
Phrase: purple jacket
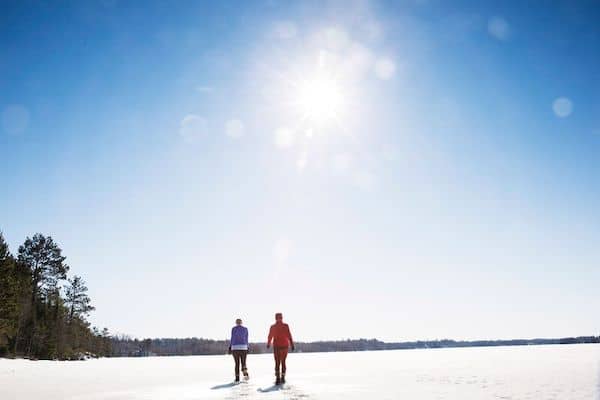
(239,338)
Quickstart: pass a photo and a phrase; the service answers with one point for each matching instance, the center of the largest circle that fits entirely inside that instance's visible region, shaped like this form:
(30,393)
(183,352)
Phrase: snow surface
(564,372)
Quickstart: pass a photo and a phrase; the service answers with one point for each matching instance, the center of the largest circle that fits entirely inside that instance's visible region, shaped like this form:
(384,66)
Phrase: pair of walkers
(279,335)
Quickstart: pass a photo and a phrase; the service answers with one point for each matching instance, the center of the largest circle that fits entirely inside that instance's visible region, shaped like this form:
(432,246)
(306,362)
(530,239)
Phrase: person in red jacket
(281,337)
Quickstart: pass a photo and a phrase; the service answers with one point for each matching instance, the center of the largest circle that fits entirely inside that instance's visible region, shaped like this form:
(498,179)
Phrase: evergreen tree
(44,259)
(76,299)
(8,301)
(35,319)
(14,293)
(46,265)
(106,340)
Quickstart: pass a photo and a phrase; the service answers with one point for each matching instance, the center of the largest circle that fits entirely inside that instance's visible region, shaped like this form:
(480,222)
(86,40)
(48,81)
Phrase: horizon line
(116,337)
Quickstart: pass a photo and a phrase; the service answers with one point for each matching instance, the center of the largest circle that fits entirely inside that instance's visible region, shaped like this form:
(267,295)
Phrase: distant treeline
(43,314)
(124,346)
(42,311)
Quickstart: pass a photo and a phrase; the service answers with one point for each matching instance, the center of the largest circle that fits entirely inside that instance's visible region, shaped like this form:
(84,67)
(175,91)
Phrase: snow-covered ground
(563,372)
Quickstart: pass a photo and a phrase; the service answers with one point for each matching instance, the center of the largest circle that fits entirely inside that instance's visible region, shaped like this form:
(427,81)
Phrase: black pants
(239,356)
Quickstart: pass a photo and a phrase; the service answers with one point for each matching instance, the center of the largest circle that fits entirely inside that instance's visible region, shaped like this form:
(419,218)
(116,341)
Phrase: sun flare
(319,99)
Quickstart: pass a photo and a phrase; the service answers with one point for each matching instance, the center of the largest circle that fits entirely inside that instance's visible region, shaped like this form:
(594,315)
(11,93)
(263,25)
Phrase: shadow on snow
(225,385)
(273,388)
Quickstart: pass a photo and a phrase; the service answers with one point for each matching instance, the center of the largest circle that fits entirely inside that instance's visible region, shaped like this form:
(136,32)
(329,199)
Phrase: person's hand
(293,348)
(268,346)
(229,350)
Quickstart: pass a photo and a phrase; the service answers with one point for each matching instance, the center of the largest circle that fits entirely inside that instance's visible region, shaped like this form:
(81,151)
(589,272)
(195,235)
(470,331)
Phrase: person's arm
(290,338)
(230,340)
(246,337)
(270,337)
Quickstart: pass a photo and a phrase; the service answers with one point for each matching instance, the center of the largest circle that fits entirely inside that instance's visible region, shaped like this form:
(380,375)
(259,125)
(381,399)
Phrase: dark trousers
(239,356)
(280,354)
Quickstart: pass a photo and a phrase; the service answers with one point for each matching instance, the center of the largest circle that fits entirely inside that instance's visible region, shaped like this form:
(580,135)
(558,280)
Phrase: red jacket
(280,335)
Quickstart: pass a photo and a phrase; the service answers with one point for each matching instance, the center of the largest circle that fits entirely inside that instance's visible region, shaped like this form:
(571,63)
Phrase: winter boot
(245,372)
(277,379)
(282,380)
(237,378)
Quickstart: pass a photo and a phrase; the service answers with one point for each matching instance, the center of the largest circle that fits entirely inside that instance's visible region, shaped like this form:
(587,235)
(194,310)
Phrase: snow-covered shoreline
(565,372)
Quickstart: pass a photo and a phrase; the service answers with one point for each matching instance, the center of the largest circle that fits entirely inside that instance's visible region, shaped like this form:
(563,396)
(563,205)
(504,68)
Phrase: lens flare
(319,99)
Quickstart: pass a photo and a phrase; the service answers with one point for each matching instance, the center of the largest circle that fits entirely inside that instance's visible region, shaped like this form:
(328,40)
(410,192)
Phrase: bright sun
(319,100)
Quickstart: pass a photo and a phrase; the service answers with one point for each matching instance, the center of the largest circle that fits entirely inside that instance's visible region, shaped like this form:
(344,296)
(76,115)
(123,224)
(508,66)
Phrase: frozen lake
(562,372)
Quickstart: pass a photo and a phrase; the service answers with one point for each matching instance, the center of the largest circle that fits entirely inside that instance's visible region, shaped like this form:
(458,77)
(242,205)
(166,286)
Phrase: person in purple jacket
(238,346)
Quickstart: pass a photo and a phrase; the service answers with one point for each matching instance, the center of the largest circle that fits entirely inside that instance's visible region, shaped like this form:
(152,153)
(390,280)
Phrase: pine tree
(8,301)
(76,299)
(35,319)
(14,294)
(106,348)
(46,265)
(45,260)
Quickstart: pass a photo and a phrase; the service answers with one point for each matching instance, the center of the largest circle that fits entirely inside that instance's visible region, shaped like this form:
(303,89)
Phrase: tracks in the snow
(249,391)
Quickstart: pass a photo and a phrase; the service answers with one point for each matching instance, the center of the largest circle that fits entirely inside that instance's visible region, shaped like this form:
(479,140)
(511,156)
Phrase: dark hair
(278,315)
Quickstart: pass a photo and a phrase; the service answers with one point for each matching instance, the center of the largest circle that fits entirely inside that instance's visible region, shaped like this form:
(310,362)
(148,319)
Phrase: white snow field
(562,372)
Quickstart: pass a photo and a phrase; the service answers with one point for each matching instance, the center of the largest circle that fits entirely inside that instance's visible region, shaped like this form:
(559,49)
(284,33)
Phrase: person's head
(238,321)
(278,317)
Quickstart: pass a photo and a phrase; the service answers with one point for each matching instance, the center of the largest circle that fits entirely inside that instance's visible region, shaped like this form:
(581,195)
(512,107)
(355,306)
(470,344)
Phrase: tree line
(43,314)
(43,311)
(124,346)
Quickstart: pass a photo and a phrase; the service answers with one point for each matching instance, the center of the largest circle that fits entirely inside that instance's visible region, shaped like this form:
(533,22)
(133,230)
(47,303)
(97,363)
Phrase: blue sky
(399,170)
